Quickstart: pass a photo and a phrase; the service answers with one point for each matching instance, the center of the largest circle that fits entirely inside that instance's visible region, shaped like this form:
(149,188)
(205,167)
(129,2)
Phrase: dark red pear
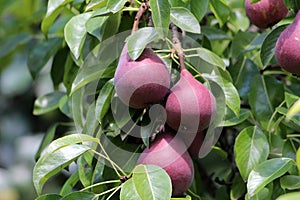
(190,106)
(287,48)
(141,82)
(265,13)
(170,153)
(194,142)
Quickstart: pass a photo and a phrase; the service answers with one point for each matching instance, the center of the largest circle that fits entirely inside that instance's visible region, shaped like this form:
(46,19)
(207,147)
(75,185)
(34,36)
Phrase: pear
(190,106)
(193,142)
(288,46)
(265,13)
(170,153)
(141,82)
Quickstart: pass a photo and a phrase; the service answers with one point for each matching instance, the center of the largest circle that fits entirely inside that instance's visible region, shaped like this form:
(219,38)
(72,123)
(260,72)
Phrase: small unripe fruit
(190,106)
(170,153)
(288,46)
(265,13)
(141,82)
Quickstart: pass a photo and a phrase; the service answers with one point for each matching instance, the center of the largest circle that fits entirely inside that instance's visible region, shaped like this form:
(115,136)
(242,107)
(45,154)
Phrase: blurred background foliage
(20,131)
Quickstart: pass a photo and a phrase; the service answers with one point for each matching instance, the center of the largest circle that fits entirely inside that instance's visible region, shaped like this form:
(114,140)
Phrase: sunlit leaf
(266,172)
(161,16)
(211,58)
(184,19)
(70,140)
(51,163)
(75,32)
(289,196)
(294,110)
(147,182)
(138,41)
(250,149)
(53,9)
(115,5)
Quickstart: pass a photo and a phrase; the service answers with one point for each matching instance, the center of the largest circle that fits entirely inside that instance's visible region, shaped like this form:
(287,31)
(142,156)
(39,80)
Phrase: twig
(144,6)
(177,45)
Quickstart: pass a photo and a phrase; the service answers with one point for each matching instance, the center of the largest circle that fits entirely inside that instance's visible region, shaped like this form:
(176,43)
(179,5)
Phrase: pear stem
(144,6)
(177,46)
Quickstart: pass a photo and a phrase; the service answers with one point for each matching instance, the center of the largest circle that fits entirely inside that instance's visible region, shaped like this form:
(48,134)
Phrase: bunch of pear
(267,13)
(190,108)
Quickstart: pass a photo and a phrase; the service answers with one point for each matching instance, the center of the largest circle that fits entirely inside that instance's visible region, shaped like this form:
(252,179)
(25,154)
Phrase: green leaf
(266,172)
(211,58)
(294,110)
(214,33)
(8,44)
(268,46)
(232,119)
(47,103)
(199,8)
(290,99)
(250,149)
(188,197)
(96,25)
(65,107)
(85,170)
(49,197)
(298,158)
(47,139)
(51,163)
(88,74)
(220,10)
(290,182)
(241,41)
(242,74)
(57,69)
(238,188)
(53,9)
(40,54)
(147,182)
(115,5)
(104,99)
(75,33)
(137,42)
(123,154)
(289,196)
(161,16)
(79,195)
(96,4)
(184,19)
(69,184)
(232,97)
(266,93)
(70,140)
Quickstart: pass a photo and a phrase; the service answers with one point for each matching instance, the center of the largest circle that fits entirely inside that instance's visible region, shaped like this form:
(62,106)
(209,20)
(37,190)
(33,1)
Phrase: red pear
(265,13)
(194,142)
(190,106)
(141,82)
(170,153)
(288,46)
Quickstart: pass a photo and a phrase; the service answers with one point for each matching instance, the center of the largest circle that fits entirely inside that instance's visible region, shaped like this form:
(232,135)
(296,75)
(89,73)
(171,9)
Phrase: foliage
(252,149)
